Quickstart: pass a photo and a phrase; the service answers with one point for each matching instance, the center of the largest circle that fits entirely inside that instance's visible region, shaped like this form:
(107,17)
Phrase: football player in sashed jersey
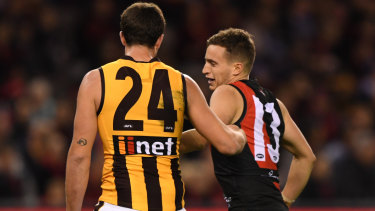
(250,179)
(138,104)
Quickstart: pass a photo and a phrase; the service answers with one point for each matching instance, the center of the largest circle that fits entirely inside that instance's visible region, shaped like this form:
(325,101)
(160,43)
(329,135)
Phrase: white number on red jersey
(259,142)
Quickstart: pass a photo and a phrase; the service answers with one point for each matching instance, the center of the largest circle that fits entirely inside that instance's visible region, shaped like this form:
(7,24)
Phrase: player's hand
(240,131)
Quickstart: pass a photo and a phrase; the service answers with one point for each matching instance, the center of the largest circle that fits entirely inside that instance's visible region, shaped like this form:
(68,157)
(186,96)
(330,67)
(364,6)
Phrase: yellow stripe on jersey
(108,183)
(140,123)
(138,186)
(166,183)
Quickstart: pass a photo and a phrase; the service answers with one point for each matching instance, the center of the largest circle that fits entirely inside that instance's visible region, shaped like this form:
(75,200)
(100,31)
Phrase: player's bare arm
(303,159)
(191,141)
(227,103)
(85,129)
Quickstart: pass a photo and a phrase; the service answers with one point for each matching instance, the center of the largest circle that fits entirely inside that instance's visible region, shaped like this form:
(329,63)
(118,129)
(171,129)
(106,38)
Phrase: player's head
(142,24)
(229,57)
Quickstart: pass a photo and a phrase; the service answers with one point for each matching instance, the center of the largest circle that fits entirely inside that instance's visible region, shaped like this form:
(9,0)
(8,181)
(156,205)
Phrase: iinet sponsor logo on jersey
(149,145)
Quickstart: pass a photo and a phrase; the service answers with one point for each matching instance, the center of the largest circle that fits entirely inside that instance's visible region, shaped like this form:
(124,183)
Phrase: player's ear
(158,42)
(122,38)
(237,68)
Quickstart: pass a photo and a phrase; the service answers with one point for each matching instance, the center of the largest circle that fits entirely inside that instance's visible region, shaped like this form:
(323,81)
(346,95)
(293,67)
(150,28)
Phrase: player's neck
(140,53)
(240,77)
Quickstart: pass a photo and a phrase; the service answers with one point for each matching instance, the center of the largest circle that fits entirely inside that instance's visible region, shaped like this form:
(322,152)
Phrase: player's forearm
(77,174)
(191,141)
(228,139)
(298,176)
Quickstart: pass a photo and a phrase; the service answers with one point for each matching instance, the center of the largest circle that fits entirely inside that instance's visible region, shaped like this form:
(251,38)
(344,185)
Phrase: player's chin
(212,87)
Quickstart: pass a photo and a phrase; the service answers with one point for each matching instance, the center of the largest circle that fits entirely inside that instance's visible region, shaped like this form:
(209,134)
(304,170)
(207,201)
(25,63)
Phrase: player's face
(217,68)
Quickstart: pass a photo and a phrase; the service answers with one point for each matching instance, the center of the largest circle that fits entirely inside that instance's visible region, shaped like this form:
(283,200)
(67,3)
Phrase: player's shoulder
(92,75)
(91,80)
(190,82)
(187,78)
(283,108)
(226,93)
(226,90)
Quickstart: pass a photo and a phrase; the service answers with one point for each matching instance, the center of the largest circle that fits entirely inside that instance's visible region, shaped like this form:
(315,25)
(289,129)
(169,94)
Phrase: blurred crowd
(318,57)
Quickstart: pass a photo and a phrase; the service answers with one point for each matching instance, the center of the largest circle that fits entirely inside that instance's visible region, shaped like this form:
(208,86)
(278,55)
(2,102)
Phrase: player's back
(250,179)
(140,121)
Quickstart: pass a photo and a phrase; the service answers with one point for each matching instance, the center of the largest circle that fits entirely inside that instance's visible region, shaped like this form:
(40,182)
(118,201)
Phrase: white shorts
(110,207)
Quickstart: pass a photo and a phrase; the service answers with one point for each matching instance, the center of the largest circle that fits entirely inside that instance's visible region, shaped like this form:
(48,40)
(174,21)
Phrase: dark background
(318,57)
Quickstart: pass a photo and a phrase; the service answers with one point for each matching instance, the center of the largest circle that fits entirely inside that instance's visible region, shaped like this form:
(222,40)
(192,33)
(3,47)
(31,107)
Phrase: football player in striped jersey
(138,104)
(250,180)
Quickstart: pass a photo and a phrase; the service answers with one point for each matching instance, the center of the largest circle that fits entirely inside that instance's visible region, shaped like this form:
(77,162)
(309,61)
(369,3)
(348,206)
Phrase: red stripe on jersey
(247,124)
(277,185)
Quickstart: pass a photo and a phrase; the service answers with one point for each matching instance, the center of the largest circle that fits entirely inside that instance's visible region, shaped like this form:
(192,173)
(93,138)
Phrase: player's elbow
(312,158)
(308,158)
(77,158)
(231,148)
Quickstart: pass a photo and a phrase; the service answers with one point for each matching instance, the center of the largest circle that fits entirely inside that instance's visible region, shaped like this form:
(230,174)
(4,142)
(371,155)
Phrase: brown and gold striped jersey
(140,120)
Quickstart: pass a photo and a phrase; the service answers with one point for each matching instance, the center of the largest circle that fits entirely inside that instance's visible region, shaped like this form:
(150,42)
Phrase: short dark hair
(238,43)
(142,23)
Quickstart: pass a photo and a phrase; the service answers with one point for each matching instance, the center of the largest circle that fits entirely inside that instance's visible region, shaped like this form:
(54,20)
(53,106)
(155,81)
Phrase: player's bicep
(198,111)
(226,102)
(85,120)
(196,101)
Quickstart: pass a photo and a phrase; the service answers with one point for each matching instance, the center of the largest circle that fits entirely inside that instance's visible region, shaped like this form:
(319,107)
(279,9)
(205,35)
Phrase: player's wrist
(287,200)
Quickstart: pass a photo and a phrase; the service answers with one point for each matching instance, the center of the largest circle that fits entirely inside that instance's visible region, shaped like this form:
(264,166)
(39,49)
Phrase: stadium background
(317,56)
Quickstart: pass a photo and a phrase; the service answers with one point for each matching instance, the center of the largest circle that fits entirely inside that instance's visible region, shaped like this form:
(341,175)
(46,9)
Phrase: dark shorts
(261,205)
(251,193)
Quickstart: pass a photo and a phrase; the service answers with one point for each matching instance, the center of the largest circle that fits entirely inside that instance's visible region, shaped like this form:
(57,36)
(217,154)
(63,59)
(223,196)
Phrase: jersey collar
(155,59)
